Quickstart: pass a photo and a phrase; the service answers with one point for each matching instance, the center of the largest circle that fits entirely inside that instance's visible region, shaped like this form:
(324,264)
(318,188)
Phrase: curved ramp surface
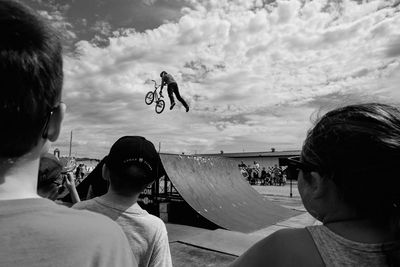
(214,187)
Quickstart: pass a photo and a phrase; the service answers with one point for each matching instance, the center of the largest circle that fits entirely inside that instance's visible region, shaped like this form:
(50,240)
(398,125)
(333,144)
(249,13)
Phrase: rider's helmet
(162,73)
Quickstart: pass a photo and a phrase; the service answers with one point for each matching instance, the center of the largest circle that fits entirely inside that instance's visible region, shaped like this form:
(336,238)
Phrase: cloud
(287,10)
(253,73)
(102,27)
(149,2)
(60,23)
(393,48)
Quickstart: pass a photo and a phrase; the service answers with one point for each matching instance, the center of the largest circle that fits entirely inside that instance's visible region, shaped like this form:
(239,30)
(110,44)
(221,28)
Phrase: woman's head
(49,179)
(358,148)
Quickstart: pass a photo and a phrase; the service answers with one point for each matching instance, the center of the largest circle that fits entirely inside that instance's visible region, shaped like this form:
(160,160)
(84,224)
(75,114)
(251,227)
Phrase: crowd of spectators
(257,175)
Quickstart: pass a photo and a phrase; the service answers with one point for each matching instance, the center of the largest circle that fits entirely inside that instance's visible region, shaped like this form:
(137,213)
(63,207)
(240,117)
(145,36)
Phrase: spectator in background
(269,179)
(51,180)
(133,164)
(263,176)
(83,171)
(244,173)
(276,174)
(249,171)
(35,231)
(256,165)
(78,171)
(343,156)
(242,165)
(284,176)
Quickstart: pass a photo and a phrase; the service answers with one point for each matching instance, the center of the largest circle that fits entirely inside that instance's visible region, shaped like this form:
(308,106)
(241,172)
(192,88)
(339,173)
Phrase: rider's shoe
(172,106)
(187,108)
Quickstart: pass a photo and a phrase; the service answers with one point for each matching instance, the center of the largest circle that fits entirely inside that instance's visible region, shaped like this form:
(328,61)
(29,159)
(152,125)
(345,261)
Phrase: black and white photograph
(160,133)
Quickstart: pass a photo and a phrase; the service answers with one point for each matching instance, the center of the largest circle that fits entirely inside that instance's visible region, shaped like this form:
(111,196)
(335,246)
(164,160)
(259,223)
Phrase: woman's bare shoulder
(286,247)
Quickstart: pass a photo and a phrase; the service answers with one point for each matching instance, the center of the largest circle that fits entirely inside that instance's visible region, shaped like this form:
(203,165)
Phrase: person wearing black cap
(131,165)
(172,88)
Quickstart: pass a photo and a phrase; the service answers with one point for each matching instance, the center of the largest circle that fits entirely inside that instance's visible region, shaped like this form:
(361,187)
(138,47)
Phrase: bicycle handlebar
(155,84)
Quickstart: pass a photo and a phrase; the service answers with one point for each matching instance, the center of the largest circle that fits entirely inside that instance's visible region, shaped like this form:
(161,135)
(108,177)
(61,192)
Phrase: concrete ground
(186,255)
(191,246)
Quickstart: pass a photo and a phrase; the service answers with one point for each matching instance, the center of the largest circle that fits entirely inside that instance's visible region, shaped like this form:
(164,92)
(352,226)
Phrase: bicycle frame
(156,96)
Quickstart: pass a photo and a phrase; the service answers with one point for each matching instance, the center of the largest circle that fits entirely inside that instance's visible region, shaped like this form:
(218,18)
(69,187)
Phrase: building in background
(264,159)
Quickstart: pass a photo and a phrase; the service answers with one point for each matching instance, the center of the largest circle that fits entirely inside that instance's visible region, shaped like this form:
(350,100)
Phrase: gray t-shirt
(338,251)
(146,233)
(38,232)
(167,79)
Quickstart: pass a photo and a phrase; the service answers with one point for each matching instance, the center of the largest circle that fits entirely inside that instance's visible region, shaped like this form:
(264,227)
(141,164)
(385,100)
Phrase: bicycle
(152,95)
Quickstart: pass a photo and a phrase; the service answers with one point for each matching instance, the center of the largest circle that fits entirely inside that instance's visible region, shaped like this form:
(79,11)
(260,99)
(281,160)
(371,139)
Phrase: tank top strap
(336,250)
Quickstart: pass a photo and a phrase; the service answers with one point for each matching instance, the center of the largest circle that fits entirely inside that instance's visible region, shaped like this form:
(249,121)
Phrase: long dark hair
(358,147)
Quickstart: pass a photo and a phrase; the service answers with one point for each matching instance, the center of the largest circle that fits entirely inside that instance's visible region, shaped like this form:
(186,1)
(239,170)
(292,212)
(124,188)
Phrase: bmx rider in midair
(172,87)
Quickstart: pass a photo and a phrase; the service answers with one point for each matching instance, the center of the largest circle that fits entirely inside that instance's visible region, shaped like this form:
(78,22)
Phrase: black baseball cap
(135,150)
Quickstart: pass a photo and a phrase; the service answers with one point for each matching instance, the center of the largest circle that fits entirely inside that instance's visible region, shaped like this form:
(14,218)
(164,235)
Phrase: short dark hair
(358,147)
(31,77)
(130,179)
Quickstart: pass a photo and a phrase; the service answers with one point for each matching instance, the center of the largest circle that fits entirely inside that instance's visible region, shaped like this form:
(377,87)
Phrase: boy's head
(31,79)
(132,164)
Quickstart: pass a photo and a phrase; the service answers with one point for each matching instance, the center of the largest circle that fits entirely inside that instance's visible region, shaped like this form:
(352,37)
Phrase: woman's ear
(318,184)
(105,172)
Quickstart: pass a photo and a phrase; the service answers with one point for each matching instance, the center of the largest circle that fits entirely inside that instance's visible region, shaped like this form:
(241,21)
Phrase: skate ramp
(214,188)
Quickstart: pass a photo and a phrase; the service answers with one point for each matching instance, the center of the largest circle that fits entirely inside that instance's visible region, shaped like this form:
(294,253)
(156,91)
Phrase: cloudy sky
(255,73)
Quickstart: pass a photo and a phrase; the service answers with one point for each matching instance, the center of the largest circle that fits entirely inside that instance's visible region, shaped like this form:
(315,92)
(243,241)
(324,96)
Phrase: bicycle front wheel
(160,105)
(149,98)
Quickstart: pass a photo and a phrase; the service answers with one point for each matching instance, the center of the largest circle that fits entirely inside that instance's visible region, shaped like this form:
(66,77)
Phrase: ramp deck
(214,188)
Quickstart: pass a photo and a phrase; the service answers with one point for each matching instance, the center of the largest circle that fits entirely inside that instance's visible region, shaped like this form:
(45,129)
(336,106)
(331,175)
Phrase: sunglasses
(295,165)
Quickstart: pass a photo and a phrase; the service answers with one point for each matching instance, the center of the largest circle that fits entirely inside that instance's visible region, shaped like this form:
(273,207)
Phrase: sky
(256,74)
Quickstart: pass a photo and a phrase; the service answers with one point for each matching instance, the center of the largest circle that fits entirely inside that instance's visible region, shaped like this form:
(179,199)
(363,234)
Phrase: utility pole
(70,145)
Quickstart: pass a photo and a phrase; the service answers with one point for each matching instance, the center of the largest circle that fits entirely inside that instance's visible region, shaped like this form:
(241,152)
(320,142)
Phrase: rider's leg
(178,96)
(170,94)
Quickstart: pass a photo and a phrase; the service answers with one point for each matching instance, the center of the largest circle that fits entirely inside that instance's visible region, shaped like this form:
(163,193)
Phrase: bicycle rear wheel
(160,105)
(149,98)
